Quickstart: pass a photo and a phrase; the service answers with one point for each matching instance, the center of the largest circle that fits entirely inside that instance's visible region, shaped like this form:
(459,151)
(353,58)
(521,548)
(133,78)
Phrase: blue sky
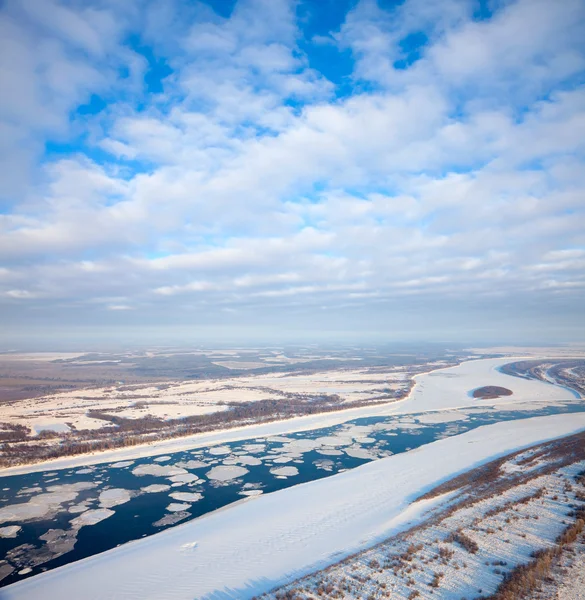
(279,169)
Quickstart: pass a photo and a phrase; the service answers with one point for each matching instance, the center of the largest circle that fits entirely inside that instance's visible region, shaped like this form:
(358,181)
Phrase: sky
(292,169)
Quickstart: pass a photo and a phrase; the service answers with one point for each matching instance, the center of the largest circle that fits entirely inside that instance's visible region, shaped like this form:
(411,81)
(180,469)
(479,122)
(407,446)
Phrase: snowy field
(177,399)
(252,546)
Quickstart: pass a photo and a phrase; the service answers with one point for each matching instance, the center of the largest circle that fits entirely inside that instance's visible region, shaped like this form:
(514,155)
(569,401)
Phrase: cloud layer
(407,172)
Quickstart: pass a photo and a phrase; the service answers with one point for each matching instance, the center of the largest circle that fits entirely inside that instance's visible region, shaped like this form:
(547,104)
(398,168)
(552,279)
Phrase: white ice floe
(357,452)
(158,470)
(255,448)
(284,471)
(43,505)
(91,517)
(155,488)
(219,450)
(191,464)
(30,490)
(162,458)
(11,531)
(122,464)
(79,508)
(186,496)
(226,473)
(250,547)
(334,440)
(282,460)
(250,493)
(176,507)
(114,497)
(184,478)
(250,461)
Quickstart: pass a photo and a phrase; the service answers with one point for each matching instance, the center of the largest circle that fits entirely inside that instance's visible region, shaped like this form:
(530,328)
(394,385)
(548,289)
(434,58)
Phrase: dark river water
(259,465)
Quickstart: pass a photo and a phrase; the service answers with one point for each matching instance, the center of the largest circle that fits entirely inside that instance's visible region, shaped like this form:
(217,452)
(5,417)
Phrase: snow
(58,427)
(449,388)
(252,546)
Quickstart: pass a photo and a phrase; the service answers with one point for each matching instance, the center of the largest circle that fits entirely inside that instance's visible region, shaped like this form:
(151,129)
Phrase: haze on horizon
(292,170)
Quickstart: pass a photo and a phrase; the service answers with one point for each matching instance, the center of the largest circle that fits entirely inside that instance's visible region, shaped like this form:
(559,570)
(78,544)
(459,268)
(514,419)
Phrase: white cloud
(246,185)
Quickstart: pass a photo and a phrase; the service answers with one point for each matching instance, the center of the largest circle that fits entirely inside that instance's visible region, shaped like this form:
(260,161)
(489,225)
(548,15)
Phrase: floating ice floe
(282,459)
(172,518)
(155,488)
(30,490)
(254,448)
(79,508)
(158,470)
(91,517)
(122,464)
(359,453)
(186,496)
(176,507)
(329,451)
(334,440)
(226,473)
(250,461)
(11,531)
(184,478)
(191,464)
(44,505)
(114,497)
(284,471)
(219,450)
(323,463)
(162,458)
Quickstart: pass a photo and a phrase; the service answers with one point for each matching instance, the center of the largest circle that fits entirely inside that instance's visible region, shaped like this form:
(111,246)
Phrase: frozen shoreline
(253,546)
(441,389)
